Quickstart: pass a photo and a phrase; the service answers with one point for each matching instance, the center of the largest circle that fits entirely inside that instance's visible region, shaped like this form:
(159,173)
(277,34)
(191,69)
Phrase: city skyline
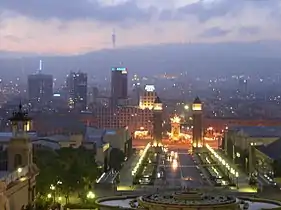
(83,26)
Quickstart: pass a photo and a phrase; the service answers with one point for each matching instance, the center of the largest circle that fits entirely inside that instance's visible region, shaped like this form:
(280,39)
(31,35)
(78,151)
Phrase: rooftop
(157,100)
(197,100)
(20,115)
(258,131)
(6,136)
(271,150)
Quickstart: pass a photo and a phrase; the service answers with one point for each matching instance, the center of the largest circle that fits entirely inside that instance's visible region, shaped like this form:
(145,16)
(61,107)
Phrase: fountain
(185,200)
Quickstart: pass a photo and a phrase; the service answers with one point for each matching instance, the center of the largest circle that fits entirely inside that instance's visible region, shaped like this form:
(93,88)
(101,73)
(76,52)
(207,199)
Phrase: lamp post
(90,197)
(237,175)
(53,188)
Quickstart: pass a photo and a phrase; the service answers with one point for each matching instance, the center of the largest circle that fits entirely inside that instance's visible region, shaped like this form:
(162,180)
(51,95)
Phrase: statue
(4,202)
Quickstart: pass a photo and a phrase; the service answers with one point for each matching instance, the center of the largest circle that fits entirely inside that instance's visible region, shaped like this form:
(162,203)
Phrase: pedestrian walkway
(242,180)
(126,178)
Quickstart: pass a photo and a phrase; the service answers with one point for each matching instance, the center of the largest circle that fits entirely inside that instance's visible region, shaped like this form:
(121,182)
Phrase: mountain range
(196,59)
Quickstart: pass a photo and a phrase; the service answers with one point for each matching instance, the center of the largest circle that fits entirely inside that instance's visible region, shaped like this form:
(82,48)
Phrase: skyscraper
(77,90)
(119,85)
(147,98)
(40,89)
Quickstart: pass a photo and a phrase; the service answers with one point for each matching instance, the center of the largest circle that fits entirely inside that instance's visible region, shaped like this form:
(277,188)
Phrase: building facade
(40,89)
(197,130)
(119,85)
(147,98)
(127,116)
(157,121)
(240,144)
(77,85)
(17,182)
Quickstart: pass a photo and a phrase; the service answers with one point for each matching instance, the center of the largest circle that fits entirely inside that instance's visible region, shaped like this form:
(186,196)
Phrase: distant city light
(149,88)
(119,69)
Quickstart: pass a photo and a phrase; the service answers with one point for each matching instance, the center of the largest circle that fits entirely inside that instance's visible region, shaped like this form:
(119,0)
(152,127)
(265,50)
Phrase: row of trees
(71,170)
(66,170)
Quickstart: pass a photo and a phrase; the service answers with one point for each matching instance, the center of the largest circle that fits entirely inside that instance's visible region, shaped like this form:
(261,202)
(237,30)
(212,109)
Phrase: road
(126,178)
(185,174)
(190,174)
(173,175)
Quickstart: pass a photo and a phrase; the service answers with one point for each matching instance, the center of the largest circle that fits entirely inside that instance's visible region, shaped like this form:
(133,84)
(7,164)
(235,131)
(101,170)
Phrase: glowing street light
(52,187)
(91,195)
(175,164)
(186,107)
(176,155)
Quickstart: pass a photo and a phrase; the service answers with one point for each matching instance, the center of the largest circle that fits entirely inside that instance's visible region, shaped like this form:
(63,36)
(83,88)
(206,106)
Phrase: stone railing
(15,175)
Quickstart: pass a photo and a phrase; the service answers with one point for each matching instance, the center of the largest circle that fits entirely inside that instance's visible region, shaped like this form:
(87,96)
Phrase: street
(190,175)
(181,171)
(173,175)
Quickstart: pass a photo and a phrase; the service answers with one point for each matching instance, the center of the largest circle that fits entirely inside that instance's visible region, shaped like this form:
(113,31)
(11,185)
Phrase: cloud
(214,32)
(249,30)
(77,25)
(140,10)
(13,38)
(76,9)
(208,9)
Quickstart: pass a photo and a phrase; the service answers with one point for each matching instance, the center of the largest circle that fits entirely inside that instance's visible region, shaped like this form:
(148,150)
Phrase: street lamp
(91,195)
(53,188)
(237,175)
(186,107)
(19,170)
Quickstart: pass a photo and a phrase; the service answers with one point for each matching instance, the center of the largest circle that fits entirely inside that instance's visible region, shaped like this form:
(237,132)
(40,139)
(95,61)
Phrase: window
(17,161)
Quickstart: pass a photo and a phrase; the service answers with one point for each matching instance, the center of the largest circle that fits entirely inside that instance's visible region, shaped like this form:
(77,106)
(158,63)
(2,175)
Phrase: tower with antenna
(40,67)
(113,37)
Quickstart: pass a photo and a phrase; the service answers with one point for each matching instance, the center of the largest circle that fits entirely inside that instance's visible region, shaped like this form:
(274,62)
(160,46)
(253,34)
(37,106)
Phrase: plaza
(186,200)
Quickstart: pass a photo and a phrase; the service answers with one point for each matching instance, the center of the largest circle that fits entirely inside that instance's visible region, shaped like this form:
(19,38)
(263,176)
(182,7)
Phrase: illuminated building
(77,90)
(255,148)
(197,131)
(17,181)
(148,97)
(175,128)
(157,121)
(119,85)
(40,89)
(176,133)
(136,90)
(136,119)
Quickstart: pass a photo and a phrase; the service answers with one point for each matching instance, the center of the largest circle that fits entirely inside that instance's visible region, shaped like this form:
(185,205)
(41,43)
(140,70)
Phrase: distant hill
(197,59)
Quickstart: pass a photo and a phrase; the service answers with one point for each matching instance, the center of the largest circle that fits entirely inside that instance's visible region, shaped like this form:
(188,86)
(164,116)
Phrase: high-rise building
(93,95)
(148,97)
(119,85)
(136,90)
(197,123)
(40,89)
(77,90)
(157,121)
